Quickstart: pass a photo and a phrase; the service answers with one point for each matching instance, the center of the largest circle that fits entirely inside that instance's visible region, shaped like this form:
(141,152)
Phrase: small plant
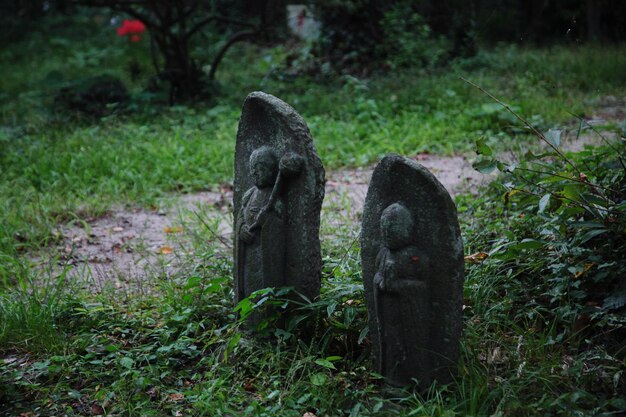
(556,252)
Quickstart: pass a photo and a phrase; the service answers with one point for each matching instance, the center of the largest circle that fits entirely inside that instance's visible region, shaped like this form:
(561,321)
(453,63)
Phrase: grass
(178,350)
(73,166)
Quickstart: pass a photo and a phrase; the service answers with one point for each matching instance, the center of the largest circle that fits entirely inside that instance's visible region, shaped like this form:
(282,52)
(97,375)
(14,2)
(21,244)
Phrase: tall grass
(31,316)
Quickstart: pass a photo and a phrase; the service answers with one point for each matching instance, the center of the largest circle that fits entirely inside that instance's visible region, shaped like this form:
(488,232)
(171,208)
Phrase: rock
(412,259)
(278,193)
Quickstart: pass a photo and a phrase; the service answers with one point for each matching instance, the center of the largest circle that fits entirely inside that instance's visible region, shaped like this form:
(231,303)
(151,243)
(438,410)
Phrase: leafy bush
(96,96)
(573,212)
(556,251)
(365,36)
(409,40)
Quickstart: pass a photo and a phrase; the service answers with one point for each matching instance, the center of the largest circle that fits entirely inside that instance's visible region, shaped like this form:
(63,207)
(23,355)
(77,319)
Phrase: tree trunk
(594,13)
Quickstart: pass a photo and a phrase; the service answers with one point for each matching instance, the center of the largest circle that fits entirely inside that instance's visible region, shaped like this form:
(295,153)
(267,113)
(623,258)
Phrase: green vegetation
(544,312)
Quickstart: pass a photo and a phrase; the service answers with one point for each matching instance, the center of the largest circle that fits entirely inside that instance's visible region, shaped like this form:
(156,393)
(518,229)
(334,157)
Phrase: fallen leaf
(166,250)
(173,229)
(586,268)
(495,356)
(307,414)
(476,258)
(176,397)
(96,410)
(118,229)
(248,384)
(225,187)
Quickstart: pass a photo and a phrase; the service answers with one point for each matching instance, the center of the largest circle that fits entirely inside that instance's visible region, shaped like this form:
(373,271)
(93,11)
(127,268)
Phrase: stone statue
(279,187)
(412,258)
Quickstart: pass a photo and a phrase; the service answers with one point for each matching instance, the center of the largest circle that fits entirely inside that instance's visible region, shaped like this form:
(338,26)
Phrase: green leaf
(485,166)
(572,192)
(614,302)
(325,363)
(587,225)
(331,308)
(127,362)
(40,366)
(543,203)
(234,341)
(74,394)
(594,199)
(215,285)
(509,168)
(482,148)
(554,137)
(363,334)
(490,108)
(355,410)
(527,244)
(244,308)
(280,333)
(590,235)
(193,282)
(304,398)
(318,379)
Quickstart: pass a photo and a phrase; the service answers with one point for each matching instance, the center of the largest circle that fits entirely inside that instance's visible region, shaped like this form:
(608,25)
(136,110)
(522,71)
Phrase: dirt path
(127,246)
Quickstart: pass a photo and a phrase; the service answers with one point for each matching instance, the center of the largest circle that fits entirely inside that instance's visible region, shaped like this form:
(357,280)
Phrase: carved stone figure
(279,187)
(412,258)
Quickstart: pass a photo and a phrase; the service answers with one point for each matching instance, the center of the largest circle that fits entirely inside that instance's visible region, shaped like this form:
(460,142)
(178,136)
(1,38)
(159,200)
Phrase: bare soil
(131,244)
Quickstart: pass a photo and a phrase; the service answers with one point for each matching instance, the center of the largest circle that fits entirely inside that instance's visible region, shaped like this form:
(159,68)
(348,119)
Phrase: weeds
(544,303)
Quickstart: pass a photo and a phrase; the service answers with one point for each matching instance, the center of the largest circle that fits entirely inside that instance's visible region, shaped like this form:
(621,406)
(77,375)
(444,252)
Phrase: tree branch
(221,19)
(532,128)
(237,37)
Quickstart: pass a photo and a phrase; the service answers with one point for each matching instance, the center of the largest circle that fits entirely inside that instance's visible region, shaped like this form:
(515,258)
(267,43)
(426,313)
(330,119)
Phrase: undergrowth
(544,292)
(543,321)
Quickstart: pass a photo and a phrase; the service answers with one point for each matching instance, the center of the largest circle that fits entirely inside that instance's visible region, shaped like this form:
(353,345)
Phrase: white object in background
(302,23)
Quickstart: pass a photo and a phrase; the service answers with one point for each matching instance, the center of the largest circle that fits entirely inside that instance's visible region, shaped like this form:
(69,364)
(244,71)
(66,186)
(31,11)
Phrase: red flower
(134,28)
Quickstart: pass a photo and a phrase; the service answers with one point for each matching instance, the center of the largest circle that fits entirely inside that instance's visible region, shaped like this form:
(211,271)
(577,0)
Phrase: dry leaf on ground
(166,250)
(176,397)
(476,258)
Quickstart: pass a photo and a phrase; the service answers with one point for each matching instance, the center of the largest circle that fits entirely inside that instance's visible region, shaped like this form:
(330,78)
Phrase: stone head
(263,167)
(396,226)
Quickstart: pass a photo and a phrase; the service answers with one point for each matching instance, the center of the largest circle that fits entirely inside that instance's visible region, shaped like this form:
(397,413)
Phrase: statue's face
(263,169)
(396,226)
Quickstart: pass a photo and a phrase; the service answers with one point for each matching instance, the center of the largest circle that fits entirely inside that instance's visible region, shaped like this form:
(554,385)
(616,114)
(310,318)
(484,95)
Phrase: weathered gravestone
(279,188)
(412,259)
